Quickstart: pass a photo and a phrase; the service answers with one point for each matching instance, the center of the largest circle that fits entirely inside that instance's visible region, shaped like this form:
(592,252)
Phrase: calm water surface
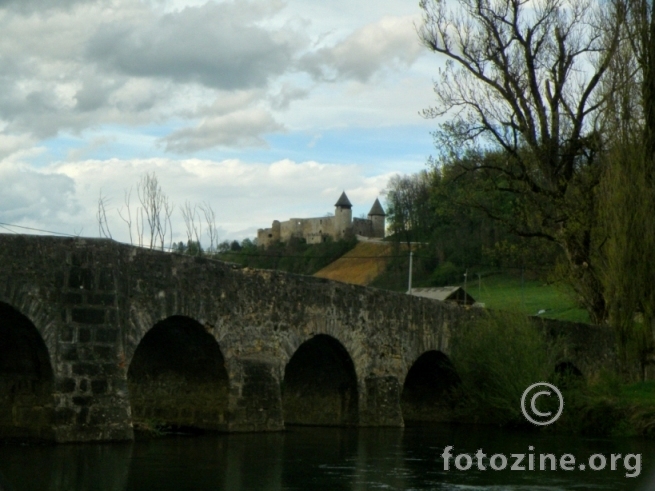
(307,459)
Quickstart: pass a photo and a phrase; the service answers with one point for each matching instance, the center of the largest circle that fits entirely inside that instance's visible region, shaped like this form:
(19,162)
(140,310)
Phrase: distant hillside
(294,256)
(361,265)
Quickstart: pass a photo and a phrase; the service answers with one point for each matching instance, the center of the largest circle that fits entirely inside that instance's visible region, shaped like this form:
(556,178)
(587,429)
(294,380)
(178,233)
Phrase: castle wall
(311,229)
(314,230)
(377,226)
(364,227)
(266,236)
(343,221)
(289,228)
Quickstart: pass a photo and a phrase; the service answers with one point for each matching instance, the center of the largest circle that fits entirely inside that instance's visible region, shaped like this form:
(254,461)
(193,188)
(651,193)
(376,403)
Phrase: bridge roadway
(97,338)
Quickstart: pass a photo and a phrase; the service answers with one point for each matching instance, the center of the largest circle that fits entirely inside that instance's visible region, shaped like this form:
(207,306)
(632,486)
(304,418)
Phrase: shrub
(447,274)
(497,357)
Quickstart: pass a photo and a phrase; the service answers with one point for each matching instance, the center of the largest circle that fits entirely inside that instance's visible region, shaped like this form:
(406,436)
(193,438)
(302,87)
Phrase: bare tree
(156,207)
(210,220)
(169,208)
(101,215)
(128,213)
(523,78)
(140,226)
(192,222)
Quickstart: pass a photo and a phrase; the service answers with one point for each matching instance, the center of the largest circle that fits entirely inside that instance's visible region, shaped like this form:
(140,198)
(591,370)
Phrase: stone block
(80,278)
(106,280)
(66,333)
(84,335)
(64,416)
(104,353)
(99,386)
(73,298)
(106,335)
(88,316)
(69,353)
(82,417)
(112,316)
(66,385)
(383,402)
(103,299)
(80,258)
(87,369)
(83,400)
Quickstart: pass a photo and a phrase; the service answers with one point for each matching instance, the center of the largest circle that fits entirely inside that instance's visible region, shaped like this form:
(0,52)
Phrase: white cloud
(238,129)
(74,66)
(218,45)
(34,198)
(126,62)
(390,42)
(82,78)
(244,196)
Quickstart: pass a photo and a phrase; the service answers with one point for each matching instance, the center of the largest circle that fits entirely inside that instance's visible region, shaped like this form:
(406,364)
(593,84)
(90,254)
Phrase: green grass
(642,393)
(508,293)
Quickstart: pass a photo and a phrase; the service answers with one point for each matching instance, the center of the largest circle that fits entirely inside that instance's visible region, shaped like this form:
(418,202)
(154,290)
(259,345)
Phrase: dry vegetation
(361,265)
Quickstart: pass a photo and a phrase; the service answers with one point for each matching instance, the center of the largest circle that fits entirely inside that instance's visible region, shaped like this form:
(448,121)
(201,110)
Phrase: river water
(330,459)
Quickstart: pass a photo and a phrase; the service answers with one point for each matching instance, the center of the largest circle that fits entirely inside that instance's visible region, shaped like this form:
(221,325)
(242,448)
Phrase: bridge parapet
(94,301)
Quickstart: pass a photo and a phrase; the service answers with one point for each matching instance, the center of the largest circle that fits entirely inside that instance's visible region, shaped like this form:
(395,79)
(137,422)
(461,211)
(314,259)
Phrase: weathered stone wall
(69,292)
(314,230)
(378,224)
(26,380)
(363,227)
(93,301)
(177,378)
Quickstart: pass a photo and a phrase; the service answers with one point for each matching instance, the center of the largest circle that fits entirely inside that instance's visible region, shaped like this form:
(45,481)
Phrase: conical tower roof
(343,202)
(377,209)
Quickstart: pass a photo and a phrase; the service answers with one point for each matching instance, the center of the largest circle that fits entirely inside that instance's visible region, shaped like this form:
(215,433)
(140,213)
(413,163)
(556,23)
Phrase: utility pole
(409,288)
(465,283)
(479,276)
(523,286)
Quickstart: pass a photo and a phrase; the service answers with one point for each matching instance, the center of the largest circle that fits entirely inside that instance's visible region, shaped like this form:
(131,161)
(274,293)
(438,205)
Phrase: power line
(4,225)
(382,256)
(35,229)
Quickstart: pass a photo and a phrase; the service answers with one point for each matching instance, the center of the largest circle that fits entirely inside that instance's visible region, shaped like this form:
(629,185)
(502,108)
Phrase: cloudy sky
(265,109)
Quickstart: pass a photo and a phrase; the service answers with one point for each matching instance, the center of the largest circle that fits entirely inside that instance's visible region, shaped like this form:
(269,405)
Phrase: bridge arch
(320,385)
(26,378)
(426,387)
(177,378)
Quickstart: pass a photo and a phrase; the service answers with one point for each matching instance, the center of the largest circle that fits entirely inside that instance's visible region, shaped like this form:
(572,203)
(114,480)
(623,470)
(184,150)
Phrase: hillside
(359,266)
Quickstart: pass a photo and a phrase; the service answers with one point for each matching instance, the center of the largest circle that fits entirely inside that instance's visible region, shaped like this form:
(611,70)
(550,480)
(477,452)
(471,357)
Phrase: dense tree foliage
(522,90)
(548,129)
(294,256)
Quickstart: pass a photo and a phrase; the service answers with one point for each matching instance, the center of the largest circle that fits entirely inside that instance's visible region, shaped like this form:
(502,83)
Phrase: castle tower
(275,231)
(376,216)
(343,215)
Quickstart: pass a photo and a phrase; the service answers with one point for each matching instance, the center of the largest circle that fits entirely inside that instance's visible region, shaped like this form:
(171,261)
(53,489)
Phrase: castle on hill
(317,230)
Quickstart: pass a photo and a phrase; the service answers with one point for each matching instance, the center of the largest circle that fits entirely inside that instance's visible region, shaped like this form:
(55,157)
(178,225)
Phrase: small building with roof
(317,230)
(454,294)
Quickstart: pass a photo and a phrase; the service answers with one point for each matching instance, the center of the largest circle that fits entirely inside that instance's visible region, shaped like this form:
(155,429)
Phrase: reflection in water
(308,459)
(89,467)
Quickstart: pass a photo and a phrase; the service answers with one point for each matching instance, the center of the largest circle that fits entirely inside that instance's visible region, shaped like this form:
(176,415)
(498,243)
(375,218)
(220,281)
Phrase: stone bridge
(97,338)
